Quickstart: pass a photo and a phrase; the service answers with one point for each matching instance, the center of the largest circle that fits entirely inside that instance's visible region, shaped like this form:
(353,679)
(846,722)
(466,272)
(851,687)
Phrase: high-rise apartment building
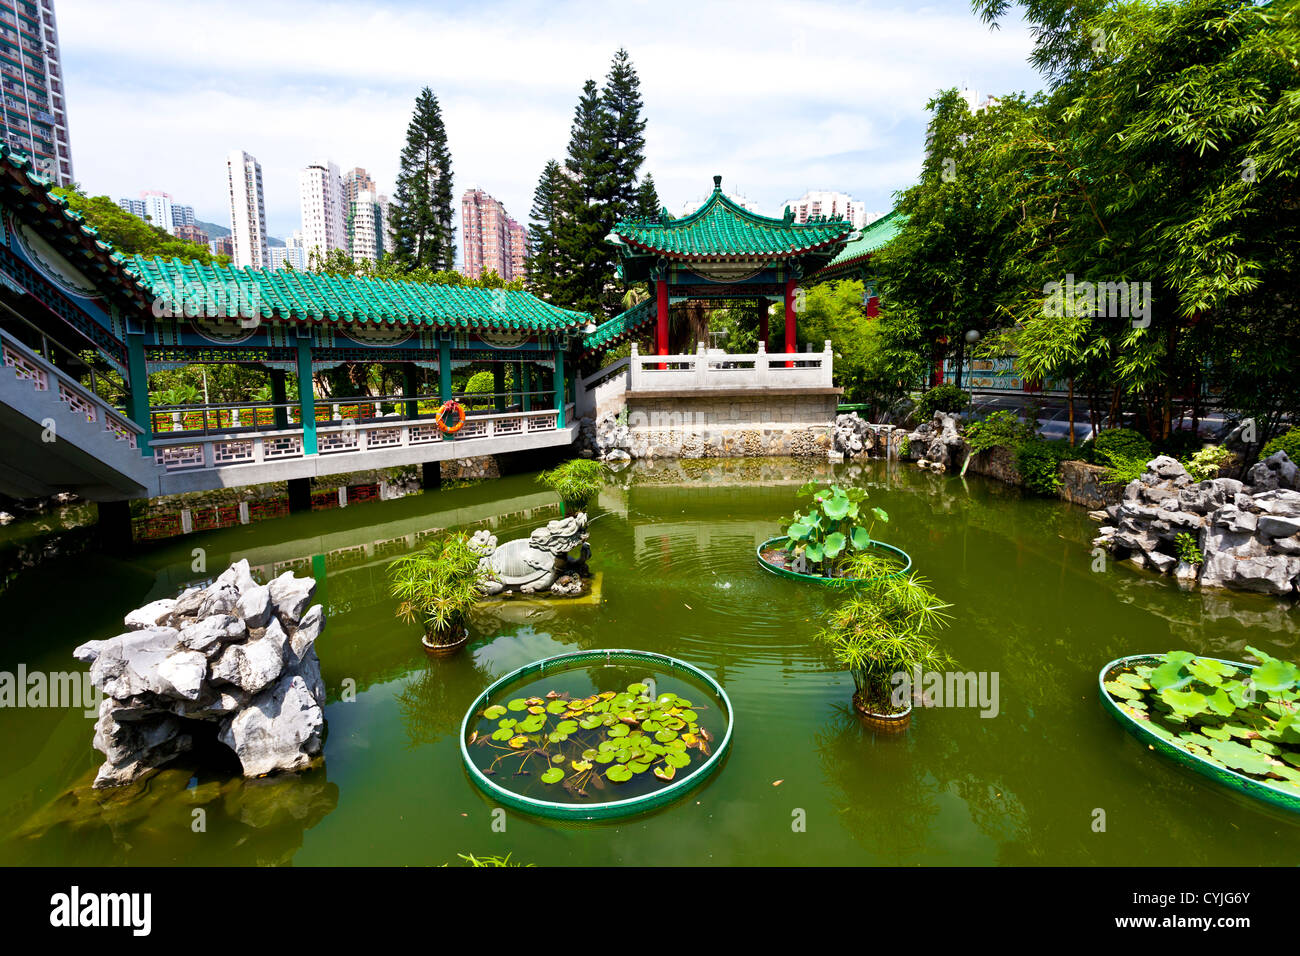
(820,202)
(158,209)
(368,226)
(247,211)
(355,182)
(292,253)
(490,240)
(182,216)
(34,119)
(134,206)
(192,233)
(324,217)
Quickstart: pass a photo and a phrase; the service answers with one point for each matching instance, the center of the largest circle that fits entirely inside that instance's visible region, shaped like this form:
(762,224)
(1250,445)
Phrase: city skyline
(848,117)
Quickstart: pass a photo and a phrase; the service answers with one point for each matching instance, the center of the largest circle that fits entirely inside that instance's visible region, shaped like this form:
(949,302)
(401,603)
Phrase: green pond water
(675,547)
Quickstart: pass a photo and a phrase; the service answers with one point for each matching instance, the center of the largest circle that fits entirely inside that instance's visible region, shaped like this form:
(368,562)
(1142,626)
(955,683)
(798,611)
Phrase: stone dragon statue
(534,563)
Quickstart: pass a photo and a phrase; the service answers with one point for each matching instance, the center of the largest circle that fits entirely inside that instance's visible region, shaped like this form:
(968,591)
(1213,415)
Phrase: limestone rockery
(237,654)
(1248,533)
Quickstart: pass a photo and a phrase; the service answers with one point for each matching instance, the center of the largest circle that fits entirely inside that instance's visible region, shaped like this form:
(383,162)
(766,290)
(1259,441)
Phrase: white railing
(45,377)
(245,448)
(708,370)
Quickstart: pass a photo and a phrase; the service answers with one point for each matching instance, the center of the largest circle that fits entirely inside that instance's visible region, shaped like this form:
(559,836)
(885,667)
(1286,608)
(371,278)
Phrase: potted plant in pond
(438,586)
(882,630)
(577,482)
(823,542)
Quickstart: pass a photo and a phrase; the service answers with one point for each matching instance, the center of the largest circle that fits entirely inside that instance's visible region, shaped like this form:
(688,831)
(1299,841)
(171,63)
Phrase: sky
(777,98)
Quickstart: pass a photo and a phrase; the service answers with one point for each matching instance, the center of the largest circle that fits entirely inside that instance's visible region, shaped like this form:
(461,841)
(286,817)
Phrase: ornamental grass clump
(884,629)
(438,586)
(577,481)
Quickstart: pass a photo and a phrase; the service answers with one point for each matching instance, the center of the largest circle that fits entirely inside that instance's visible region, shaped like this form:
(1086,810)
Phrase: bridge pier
(113,526)
(299,494)
(431,475)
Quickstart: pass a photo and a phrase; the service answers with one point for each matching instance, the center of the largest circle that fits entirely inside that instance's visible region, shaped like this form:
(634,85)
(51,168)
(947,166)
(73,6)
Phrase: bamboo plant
(438,586)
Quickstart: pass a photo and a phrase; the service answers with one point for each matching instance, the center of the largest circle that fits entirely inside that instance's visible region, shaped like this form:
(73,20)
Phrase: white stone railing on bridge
(45,377)
(248,448)
(718,370)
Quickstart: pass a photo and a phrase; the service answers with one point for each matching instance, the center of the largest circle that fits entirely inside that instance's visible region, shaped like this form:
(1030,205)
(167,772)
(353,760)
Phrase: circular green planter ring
(1141,730)
(615,808)
(798,576)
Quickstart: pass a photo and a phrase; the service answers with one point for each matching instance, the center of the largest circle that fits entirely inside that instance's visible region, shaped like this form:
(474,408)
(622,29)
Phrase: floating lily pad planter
(596,734)
(1238,724)
(773,557)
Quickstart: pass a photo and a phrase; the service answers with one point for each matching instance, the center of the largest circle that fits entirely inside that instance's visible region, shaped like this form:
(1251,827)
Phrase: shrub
(1207,462)
(1039,464)
(998,429)
(1288,441)
(941,398)
(1120,443)
(482,383)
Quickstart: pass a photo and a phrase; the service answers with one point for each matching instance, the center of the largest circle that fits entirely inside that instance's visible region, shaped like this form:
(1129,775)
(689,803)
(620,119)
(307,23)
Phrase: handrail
(69,383)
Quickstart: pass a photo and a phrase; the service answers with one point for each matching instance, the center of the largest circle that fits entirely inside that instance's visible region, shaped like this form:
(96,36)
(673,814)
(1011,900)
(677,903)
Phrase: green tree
(647,199)
(621,100)
(421,213)
(131,235)
(544,222)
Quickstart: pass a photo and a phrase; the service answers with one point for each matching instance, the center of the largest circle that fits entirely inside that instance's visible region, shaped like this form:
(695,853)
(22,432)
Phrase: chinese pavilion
(724,251)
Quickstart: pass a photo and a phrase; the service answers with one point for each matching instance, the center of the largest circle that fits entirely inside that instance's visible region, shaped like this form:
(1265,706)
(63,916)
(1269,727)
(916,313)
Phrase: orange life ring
(449,406)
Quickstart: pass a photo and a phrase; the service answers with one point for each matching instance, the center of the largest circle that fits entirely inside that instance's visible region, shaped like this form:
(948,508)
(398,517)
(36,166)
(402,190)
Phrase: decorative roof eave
(66,230)
(619,329)
(731,256)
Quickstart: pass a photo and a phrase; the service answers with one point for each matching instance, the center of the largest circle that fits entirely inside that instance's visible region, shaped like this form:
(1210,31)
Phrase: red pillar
(661,323)
(790,344)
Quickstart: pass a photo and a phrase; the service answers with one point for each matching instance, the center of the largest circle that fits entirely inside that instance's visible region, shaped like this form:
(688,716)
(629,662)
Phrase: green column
(499,385)
(409,390)
(516,392)
(558,385)
(138,400)
(527,379)
(306,397)
(444,370)
(278,397)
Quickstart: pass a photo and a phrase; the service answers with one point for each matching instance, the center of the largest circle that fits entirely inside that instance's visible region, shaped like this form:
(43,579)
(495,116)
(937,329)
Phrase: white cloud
(776,97)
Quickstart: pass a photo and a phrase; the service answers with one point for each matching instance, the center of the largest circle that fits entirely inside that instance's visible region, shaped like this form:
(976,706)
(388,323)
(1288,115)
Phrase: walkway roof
(308,297)
(872,239)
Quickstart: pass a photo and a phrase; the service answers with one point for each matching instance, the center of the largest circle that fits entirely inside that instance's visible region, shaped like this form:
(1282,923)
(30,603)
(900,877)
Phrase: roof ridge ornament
(717,184)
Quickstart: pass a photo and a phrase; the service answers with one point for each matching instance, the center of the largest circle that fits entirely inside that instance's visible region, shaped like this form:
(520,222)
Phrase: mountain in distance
(215,232)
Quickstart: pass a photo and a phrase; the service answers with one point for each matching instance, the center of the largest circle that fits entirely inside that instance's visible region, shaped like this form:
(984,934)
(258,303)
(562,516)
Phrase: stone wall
(728,425)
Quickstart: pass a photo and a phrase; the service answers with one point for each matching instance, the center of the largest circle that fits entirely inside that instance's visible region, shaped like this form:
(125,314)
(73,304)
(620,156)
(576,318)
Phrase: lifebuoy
(449,406)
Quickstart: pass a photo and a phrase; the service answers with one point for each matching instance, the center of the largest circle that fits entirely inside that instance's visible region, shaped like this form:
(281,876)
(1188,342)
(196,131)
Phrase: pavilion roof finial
(717,182)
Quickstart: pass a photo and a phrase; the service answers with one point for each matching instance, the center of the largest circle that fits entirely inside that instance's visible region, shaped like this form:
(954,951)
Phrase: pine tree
(647,199)
(421,213)
(583,261)
(621,99)
(544,221)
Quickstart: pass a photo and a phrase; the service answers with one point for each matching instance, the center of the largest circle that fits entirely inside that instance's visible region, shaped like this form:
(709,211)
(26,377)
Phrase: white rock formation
(236,653)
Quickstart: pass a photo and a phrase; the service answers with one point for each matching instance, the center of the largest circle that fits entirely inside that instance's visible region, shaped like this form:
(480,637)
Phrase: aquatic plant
(576,481)
(884,629)
(438,586)
(832,529)
(1187,549)
(1247,721)
(584,742)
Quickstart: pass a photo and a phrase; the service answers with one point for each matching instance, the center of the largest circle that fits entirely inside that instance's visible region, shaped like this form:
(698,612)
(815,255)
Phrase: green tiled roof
(29,194)
(294,296)
(723,229)
(617,329)
(872,238)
